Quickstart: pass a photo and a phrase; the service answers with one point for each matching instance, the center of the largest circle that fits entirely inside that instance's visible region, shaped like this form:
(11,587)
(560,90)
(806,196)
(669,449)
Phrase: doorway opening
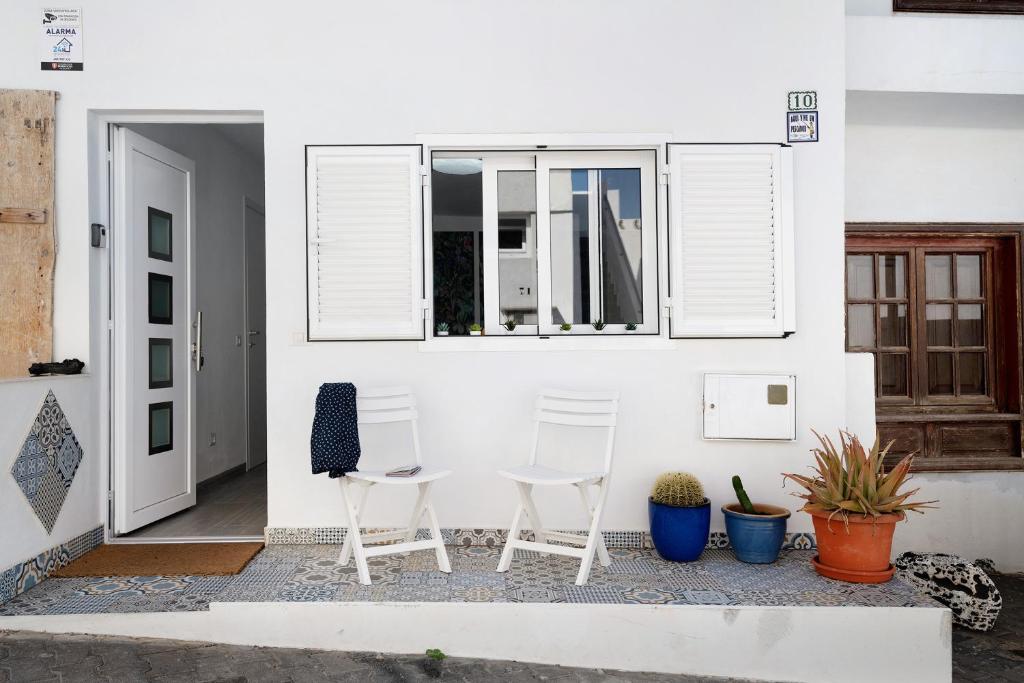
(187,354)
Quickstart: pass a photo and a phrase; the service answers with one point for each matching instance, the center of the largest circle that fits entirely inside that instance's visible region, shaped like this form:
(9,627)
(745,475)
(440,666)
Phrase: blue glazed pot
(679,534)
(756,538)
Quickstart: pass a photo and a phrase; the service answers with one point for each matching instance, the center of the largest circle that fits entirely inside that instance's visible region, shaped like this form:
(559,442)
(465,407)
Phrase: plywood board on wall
(27,249)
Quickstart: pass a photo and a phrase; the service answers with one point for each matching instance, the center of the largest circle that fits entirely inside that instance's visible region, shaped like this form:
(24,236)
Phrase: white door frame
(101,212)
(249,203)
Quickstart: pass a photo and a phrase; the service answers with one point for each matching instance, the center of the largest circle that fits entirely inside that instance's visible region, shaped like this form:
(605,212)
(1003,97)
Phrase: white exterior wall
(387,72)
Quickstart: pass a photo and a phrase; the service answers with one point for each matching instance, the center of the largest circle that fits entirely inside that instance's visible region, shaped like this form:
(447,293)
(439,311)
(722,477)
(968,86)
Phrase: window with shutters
(528,243)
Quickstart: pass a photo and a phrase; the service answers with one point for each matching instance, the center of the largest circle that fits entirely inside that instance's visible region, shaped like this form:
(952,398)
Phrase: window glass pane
(970,325)
(940,324)
(937,272)
(893,324)
(972,373)
(968,276)
(940,373)
(457,219)
(160,365)
(159,234)
(517,246)
(892,374)
(860,276)
(596,246)
(161,423)
(860,325)
(892,276)
(161,299)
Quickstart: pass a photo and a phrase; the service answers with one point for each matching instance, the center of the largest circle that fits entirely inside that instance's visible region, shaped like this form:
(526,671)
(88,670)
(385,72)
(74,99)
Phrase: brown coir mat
(162,559)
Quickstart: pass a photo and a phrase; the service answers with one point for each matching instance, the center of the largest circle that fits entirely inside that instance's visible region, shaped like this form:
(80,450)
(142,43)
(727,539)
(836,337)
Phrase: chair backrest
(380,405)
(577,409)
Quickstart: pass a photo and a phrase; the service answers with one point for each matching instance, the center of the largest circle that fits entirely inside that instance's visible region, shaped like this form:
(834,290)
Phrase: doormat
(162,559)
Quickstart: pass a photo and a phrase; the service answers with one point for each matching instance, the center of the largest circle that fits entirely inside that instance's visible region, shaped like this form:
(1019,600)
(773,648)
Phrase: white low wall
(758,643)
(23,535)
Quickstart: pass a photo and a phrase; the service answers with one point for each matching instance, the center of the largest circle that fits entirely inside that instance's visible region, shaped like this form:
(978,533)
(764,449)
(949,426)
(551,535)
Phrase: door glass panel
(458,245)
(972,373)
(893,324)
(161,422)
(160,363)
(860,276)
(159,234)
(860,324)
(970,325)
(161,303)
(940,324)
(596,245)
(892,374)
(517,246)
(937,275)
(892,276)
(940,373)
(968,276)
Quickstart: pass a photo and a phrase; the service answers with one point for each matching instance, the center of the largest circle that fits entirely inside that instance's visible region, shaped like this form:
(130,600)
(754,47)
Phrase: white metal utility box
(750,407)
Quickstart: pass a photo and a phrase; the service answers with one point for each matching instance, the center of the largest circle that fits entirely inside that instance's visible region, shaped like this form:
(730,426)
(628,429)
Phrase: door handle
(252,337)
(197,345)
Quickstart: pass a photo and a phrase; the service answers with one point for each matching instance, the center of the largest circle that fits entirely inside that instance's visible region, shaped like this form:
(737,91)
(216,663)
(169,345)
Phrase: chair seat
(380,476)
(536,474)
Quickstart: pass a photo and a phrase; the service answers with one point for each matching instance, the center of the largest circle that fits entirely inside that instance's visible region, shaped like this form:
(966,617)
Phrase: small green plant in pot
(510,325)
(442,329)
(566,328)
(680,516)
(630,327)
(476,330)
(756,531)
(855,503)
(599,326)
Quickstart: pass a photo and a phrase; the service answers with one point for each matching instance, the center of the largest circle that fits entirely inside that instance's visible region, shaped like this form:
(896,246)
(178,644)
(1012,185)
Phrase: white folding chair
(377,406)
(575,409)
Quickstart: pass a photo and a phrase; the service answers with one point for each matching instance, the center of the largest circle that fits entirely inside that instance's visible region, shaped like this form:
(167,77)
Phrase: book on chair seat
(404,471)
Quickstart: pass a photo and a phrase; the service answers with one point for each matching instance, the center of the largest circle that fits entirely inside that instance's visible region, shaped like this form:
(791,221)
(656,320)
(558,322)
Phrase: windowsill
(967,464)
(41,378)
(575,342)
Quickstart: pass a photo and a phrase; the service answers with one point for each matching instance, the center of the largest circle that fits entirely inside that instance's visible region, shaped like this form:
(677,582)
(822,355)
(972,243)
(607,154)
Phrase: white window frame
(647,159)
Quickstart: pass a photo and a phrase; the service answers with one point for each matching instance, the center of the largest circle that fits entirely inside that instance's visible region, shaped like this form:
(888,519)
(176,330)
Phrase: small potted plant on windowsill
(630,327)
(599,326)
(510,325)
(442,329)
(756,530)
(475,330)
(565,328)
(680,517)
(855,504)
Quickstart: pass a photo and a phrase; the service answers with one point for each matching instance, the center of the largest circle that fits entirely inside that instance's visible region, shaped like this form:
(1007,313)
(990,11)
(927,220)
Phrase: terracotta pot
(856,549)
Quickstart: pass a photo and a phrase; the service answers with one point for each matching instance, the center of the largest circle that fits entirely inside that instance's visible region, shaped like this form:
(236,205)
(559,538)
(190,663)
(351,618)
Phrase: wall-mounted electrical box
(759,407)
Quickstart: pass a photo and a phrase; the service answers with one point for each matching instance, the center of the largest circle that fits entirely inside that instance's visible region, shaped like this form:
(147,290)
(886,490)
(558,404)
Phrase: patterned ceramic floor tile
(535,594)
(478,594)
(593,594)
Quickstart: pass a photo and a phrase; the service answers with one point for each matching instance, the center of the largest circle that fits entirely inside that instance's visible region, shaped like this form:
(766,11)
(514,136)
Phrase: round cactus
(678,489)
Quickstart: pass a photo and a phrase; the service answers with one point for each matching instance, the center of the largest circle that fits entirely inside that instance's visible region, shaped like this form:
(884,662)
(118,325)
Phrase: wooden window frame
(960,6)
(1003,325)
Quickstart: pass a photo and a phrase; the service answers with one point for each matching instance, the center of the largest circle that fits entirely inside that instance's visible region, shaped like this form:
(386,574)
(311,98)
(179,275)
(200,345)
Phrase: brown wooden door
(940,313)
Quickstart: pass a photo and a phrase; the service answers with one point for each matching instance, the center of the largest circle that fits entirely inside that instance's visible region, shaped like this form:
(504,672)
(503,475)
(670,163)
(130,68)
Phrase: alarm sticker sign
(61,47)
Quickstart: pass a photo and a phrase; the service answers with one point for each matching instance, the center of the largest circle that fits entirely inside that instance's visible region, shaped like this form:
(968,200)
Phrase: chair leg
(435,530)
(602,550)
(353,533)
(417,512)
(346,547)
(525,491)
(513,533)
(594,537)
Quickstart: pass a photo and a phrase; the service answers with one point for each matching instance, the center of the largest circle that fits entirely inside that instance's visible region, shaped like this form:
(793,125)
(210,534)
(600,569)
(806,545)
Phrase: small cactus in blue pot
(680,516)
(756,531)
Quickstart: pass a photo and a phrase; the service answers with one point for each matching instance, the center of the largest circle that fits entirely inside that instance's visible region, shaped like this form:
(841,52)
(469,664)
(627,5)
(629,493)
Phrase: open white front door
(157,332)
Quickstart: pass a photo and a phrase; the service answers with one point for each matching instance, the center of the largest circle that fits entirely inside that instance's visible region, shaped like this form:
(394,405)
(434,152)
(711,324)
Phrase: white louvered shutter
(730,240)
(364,221)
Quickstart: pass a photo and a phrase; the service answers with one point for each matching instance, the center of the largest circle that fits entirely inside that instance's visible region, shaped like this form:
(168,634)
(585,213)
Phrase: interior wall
(225,174)
(934,157)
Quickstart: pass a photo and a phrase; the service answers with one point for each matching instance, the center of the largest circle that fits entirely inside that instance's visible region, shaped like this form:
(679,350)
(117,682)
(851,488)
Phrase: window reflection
(457,218)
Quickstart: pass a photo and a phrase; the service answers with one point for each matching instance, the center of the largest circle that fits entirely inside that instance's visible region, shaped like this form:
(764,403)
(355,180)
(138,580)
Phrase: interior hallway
(235,505)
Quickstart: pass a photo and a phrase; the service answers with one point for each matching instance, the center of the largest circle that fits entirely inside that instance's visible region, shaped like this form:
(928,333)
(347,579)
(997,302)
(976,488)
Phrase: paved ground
(994,656)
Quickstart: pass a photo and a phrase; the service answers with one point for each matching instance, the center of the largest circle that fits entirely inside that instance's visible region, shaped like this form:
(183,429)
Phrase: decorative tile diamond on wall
(47,463)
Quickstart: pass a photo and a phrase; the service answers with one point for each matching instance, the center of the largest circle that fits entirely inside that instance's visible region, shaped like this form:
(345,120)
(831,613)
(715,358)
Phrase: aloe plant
(442,327)
(509,324)
(599,325)
(855,481)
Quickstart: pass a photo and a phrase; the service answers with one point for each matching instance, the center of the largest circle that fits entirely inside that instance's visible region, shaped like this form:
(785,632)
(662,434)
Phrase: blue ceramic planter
(679,534)
(756,538)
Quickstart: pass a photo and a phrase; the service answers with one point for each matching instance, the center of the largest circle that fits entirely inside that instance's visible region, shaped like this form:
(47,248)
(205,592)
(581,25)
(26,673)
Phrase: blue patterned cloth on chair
(334,443)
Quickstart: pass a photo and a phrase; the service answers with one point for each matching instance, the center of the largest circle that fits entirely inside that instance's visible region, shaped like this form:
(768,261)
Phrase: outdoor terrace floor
(310,573)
